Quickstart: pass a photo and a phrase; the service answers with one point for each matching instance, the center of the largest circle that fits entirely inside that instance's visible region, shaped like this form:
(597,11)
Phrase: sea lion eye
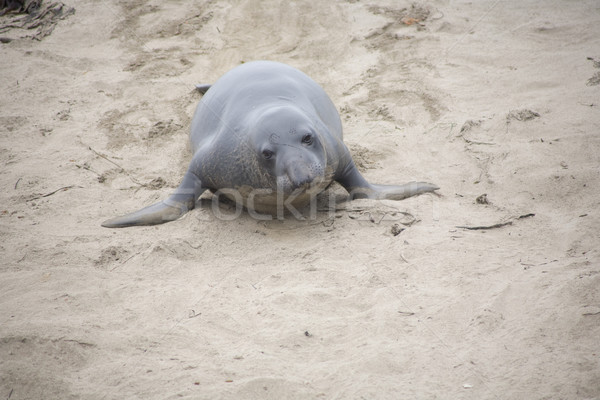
(307,139)
(267,154)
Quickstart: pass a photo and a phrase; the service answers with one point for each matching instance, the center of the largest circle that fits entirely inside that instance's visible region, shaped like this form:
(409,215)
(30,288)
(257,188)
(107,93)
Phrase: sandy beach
(488,290)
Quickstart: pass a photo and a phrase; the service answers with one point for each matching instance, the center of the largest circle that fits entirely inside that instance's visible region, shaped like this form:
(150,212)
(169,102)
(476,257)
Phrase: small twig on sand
(526,216)
(106,158)
(118,265)
(53,192)
(587,104)
(17,183)
(123,170)
(587,314)
(476,228)
(406,313)
(498,225)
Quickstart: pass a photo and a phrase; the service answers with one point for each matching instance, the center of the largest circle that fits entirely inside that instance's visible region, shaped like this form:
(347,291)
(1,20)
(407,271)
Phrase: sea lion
(267,136)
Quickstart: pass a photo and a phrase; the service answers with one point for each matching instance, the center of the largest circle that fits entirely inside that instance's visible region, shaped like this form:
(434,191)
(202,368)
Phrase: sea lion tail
(203,87)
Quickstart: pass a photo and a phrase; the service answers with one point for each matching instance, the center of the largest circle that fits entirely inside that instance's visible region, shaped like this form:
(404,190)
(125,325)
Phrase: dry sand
(484,97)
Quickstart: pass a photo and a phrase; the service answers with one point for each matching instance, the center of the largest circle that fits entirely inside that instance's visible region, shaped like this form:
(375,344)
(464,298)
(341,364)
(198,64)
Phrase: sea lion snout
(299,173)
(297,178)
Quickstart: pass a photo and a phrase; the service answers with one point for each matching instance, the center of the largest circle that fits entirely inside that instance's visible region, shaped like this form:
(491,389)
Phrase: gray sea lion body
(265,135)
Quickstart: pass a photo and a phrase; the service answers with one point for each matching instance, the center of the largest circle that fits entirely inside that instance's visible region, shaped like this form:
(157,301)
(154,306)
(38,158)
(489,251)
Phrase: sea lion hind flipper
(179,203)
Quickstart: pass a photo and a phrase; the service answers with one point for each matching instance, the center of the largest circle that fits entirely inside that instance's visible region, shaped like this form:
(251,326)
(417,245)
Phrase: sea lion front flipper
(399,192)
(179,203)
(359,188)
